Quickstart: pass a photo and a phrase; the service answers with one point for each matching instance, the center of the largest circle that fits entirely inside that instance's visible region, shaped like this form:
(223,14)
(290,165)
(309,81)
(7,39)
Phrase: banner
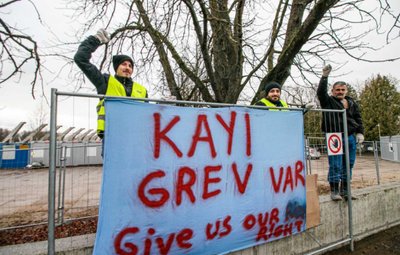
(186,180)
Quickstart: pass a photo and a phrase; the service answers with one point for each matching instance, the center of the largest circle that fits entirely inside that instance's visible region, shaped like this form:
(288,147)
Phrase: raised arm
(322,91)
(82,59)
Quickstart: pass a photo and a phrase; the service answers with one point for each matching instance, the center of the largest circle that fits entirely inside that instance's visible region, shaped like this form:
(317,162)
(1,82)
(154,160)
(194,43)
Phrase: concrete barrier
(377,209)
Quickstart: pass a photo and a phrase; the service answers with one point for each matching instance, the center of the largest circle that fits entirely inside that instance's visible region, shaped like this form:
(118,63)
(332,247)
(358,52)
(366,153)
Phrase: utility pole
(379,131)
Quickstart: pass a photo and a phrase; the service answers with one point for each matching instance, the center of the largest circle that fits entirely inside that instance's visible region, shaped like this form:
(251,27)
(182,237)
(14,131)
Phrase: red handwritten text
(203,133)
(182,240)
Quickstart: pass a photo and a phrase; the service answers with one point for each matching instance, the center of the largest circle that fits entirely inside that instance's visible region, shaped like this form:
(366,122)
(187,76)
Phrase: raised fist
(326,70)
(103,36)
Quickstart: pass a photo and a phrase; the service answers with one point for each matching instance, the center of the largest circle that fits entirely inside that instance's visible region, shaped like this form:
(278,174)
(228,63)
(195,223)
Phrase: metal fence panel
(390,148)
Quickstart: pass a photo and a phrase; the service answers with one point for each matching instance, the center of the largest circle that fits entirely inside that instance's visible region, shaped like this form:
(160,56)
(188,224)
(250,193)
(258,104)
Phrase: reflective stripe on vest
(270,104)
(115,88)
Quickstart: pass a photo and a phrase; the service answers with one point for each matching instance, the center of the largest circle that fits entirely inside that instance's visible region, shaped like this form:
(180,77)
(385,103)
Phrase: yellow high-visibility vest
(115,88)
(270,104)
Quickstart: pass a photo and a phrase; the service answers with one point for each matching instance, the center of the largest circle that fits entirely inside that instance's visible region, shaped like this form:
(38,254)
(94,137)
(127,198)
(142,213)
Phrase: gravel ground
(39,233)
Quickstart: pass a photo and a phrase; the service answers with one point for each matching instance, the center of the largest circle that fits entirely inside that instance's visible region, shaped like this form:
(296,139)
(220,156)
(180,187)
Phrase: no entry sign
(334,144)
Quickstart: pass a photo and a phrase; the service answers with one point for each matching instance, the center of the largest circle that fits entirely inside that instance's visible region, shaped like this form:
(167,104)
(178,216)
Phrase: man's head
(273,91)
(339,89)
(123,65)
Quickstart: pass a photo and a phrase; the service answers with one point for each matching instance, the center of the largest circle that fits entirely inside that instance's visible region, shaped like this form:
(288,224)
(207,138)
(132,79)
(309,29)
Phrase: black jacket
(333,121)
(100,81)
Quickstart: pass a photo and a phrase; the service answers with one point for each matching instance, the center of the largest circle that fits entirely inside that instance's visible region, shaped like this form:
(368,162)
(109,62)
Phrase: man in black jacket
(332,122)
(120,84)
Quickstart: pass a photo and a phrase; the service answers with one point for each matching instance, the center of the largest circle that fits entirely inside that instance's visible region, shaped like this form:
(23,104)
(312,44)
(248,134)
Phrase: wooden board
(313,211)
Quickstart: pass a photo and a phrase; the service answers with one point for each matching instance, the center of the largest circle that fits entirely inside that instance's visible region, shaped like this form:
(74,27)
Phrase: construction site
(32,151)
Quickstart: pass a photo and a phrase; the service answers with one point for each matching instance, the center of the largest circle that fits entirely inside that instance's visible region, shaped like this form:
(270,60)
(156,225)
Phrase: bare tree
(40,115)
(220,49)
(17,49)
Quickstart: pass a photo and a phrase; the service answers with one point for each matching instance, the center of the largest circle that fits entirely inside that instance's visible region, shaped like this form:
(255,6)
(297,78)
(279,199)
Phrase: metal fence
(53,156)
(24,185)
(24,190)
(366,171)
(69,189)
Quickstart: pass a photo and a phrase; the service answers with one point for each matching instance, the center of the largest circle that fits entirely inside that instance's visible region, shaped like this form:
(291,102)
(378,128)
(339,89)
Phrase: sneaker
(335,196)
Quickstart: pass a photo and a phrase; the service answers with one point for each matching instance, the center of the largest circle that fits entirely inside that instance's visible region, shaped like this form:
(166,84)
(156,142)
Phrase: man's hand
(326,70)
(309,105)
(103,36)
(360,138)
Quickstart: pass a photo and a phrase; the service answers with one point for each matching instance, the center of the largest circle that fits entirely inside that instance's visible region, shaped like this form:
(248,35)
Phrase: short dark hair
(339,83)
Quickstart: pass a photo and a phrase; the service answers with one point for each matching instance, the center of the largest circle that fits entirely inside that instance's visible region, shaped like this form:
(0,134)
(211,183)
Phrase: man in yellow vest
(120,84)
(272,96)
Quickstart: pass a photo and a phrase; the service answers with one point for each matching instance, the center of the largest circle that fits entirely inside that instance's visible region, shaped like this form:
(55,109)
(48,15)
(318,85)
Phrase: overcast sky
(17,104)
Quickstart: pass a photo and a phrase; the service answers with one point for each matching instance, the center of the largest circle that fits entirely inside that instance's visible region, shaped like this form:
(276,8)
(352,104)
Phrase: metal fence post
(61,185)
(348,177)
(52,173)
(308,156)
(376,156)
